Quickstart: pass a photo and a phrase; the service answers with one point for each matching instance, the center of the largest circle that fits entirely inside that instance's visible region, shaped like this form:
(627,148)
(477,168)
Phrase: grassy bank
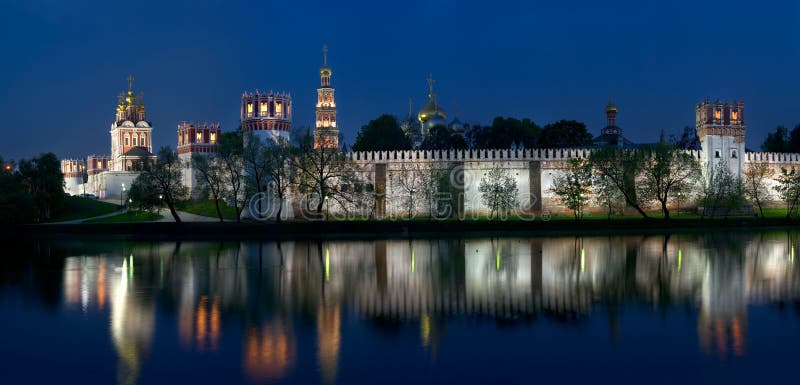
(78,208)
(128,217)
(207,208)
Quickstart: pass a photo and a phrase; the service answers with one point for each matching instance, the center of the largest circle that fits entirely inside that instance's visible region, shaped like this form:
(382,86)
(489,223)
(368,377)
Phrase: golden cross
(430,83)
(130,82)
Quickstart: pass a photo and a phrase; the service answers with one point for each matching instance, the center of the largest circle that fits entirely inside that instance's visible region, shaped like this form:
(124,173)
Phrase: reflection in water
(262,293)
(269,352)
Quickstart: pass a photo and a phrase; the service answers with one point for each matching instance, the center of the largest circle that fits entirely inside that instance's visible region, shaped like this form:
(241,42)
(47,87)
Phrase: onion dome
(430,111)
(611,108)
(325,71)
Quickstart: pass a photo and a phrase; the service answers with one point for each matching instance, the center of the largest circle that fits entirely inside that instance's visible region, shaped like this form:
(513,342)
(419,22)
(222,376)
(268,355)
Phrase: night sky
(64,62)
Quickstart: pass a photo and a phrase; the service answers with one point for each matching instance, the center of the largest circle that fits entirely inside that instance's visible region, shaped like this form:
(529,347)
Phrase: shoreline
(389,229)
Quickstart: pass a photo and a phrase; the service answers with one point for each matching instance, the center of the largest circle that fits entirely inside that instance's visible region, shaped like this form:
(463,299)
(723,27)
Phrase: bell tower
(720,127)
(326,132)
(131,133)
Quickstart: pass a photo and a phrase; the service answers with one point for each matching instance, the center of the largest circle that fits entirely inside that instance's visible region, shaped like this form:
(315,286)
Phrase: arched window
(199,137)
(143,141)
(127,140)
(135,140)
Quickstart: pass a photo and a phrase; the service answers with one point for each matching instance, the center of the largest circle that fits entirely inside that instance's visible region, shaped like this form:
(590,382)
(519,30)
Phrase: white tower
(721,129)
(131,134)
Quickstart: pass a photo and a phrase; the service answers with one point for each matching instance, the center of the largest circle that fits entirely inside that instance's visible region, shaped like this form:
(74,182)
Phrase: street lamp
(121,195)
(160,201)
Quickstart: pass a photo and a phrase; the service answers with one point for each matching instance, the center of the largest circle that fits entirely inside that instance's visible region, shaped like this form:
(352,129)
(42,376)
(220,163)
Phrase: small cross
(325,54)
(130,82)
(430,83)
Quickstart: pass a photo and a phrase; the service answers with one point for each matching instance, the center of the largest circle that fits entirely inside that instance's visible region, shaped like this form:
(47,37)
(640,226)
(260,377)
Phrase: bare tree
(498,190)
(667,170)
(623,168)
(212,175)
(231,164)
(756,175)
(607,195)
(411,180)
(279,171)
(165,174)
(319,172)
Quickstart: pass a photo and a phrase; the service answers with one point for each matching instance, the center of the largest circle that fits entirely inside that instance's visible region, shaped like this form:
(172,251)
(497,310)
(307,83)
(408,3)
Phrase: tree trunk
(219,212)
(664,209)
(172,211)
(280,208)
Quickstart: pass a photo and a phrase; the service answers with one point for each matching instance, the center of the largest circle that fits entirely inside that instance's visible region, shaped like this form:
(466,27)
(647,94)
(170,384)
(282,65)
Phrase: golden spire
(130,85)
(410,106)
(325,55)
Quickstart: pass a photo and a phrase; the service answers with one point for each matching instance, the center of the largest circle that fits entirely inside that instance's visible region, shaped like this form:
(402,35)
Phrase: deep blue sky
(64,62)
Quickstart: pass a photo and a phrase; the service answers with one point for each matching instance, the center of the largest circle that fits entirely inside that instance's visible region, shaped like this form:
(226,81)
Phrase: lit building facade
(195,139)
(267,115)
(721,128)
(326,131)
(131,133)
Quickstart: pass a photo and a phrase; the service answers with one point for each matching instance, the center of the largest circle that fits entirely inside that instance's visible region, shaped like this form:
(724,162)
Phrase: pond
(685,308)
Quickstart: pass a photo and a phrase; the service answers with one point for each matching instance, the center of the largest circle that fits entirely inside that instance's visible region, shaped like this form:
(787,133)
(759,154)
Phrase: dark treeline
(385,133)
(31,191)
(782,140)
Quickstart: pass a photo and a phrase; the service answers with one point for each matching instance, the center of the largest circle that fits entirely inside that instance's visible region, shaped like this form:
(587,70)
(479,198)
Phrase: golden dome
(611,107)
(325,70)
(430,111)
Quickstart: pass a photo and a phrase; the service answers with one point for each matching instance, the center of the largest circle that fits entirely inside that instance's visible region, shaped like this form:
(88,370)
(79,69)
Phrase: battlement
(532,154)
(773,157)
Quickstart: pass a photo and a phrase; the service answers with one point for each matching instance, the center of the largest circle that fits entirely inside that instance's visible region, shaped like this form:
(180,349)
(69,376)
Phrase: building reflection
(264,293)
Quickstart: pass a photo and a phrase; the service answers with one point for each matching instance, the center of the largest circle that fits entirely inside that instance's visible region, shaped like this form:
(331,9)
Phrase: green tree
(573,186)
(41,177)
(777,141)
(565,133)
(443,138)
(756,175)
(667,170)
(498,190)
(164,176)
(607,195)
(788,189)
(382,134)
(623,168)
(144,195)
(722,190)
(504,133)
(15,203)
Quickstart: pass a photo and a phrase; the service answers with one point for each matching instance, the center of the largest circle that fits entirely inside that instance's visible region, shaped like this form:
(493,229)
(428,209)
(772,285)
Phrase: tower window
(199,137)
(716,154)
(734,115)
(127,140)
(135,140)
(263,110)
(250,110)
(142,141)
(717,114)
(733,154)
(213,137)
(278,108)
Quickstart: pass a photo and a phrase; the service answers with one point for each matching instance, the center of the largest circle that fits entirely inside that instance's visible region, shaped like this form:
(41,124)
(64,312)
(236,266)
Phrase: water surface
(628,309)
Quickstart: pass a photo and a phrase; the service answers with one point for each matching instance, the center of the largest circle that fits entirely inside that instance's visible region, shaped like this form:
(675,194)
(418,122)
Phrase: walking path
(81,220)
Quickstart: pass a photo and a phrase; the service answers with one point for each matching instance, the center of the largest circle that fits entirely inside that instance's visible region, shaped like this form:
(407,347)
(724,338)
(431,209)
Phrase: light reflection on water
(276,306)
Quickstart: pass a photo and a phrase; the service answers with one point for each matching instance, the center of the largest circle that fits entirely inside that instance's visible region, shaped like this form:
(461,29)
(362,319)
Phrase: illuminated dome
(430,111)
(325,70)
(611,107)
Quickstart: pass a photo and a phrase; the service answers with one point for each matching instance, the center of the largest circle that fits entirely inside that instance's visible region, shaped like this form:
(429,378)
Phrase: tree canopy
(505,133)
(443,138)
(565,133)
(382,134)
(782,140)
